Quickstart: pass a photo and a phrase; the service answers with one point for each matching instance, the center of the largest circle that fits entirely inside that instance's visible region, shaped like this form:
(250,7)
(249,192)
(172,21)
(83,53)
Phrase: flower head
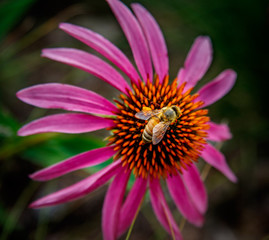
(159,127)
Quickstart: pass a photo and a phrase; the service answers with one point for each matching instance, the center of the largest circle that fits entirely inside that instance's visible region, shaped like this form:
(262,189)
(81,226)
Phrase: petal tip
(19,94)
(67,27)
(232,177)
(35,176)
(205,39)
(63,25)
(31,205)
(31,175)
(200,222)
(233,74)
(21,132)
(36,204)
(44,52)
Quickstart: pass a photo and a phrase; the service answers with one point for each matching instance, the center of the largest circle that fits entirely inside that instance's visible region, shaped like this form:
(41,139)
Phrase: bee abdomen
(147,135)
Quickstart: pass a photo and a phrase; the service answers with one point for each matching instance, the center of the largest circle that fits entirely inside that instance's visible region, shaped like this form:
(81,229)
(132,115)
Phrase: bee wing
(147,113)
(158,132)
(144,115)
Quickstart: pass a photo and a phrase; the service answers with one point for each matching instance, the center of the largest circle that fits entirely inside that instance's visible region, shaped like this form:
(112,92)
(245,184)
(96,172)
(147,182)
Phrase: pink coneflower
(182,142)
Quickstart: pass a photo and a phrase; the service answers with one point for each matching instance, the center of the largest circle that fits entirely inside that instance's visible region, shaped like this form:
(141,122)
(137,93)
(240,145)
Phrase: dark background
(239,32)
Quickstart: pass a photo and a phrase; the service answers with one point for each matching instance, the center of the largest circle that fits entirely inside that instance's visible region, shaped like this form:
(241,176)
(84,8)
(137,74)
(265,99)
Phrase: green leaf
(8,124)
(62,147)
(59,148)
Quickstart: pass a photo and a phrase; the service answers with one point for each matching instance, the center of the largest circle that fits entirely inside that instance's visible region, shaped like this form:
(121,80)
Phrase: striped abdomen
(147,133)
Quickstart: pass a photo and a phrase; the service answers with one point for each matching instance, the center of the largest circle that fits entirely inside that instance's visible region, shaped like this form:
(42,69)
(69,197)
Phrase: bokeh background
(239,32)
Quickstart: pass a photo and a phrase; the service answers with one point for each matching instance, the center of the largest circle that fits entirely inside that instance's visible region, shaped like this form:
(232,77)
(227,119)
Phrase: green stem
(170,226)
(182,223)
(205,171)
(133,222)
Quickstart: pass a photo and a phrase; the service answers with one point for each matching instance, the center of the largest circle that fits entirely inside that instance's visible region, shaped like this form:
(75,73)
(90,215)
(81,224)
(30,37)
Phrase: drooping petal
(183,201)
(81,188)
(135,37)
(83,160)
(155,40)
(198,61)
(195,187)
(162,210)
(112,204)
(65,123)
(88,63)
(218,132)
(216,159)
(64,96)
(104,47)
(217,88)
(131,204)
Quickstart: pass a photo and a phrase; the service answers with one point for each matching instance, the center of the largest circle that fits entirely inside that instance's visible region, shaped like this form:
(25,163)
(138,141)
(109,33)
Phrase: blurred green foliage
(239,33)
(11,11)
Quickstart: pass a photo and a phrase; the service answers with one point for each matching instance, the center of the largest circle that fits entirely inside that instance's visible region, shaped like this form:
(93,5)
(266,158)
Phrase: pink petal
(217,88)
(183,201)
(217,160)
(104,47)
(131,204)
(83,160)
(79,189)
(162,210)
(88,63)
(64,96)
(135,37)
(198,61)
(112,204)
(155,40)
(65,123)
(195,187)
(218,132)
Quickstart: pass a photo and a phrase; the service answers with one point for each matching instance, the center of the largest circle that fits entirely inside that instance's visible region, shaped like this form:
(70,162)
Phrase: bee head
(171,113)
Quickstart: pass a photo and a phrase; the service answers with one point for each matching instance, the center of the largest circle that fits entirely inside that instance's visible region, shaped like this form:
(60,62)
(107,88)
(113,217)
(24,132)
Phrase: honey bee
(159,121)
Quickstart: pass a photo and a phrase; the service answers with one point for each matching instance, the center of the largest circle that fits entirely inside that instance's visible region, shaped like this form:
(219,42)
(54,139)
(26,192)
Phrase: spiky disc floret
(182,142)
